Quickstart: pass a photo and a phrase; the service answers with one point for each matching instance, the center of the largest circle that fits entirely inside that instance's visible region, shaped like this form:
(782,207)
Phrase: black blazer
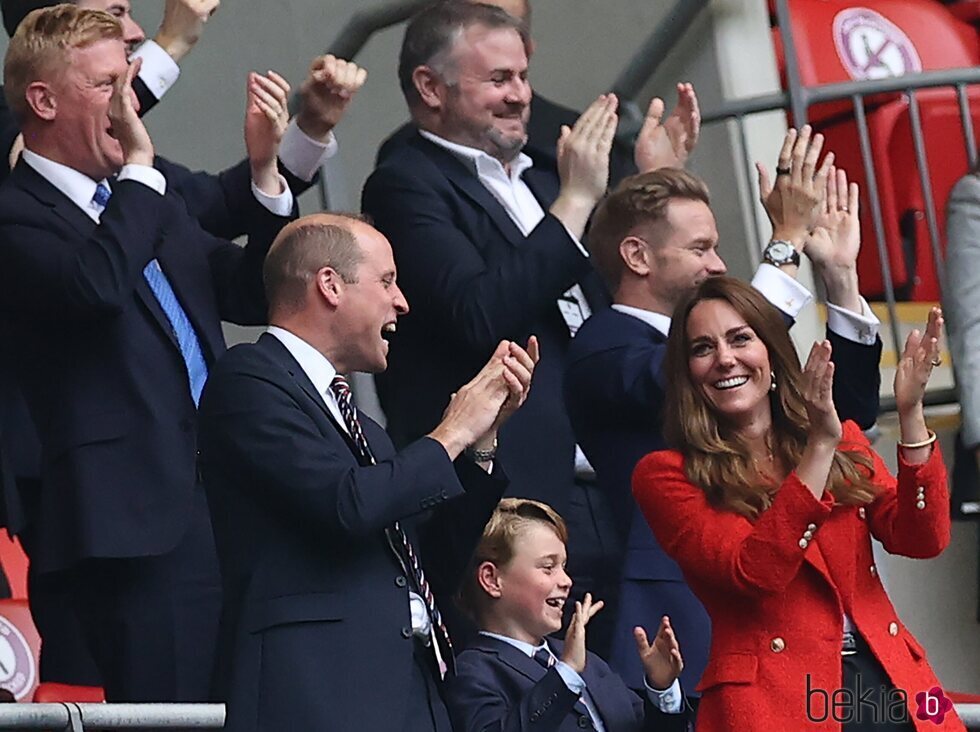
(97,360)
(497,687)
(316,632)
(472,279)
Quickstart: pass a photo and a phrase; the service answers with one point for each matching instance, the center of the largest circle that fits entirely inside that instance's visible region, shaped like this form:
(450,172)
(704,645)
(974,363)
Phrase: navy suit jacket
(498,687)
(473,279)
(316,632)
(97,359)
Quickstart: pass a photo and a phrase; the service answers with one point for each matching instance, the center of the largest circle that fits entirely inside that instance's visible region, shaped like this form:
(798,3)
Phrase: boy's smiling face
(531,589)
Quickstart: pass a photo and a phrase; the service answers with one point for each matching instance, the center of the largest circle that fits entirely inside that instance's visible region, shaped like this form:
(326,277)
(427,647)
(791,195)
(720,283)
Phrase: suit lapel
(81,224)
(511,656)
(275,347)
(470,186)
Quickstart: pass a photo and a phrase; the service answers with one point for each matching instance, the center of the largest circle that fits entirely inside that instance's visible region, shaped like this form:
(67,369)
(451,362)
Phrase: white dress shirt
(321,373)
(669,700)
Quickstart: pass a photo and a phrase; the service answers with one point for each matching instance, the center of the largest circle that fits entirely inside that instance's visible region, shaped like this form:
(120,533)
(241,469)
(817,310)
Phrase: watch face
(780,251)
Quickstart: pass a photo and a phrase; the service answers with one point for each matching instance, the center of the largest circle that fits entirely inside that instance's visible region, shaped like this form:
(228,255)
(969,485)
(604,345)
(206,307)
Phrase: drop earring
(772,383)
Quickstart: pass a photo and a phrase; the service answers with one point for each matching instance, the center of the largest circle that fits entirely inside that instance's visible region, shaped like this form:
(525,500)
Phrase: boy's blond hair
(509,520)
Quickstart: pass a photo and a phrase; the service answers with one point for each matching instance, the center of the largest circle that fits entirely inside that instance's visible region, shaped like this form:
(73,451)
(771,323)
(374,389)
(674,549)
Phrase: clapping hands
(662,661)
(668,144)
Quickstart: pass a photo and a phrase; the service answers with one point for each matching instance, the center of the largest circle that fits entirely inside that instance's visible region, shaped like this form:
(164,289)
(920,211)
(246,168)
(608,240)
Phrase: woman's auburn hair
(715,458)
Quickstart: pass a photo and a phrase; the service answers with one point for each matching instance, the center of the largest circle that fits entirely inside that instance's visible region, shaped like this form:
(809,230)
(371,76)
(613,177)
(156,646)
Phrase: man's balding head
(302,248)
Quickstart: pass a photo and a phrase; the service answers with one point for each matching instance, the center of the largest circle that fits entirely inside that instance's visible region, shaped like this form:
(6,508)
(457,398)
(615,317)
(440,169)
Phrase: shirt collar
(658,321)
(525,648)
(314,364)
(479,162)
(75,185)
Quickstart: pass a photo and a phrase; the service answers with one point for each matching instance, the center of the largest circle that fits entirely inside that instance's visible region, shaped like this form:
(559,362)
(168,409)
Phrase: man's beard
(504,147)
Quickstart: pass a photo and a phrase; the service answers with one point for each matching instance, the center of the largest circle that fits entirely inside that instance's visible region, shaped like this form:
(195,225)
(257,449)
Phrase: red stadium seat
(14,563)
(839,41)
(20,647)
(49,692)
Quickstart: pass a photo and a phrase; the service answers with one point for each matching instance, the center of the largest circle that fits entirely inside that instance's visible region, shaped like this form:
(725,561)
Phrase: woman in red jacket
(769,505)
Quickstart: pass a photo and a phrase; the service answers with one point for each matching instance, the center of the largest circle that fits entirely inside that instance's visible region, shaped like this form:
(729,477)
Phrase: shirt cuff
(668,701)
(860,327)
(301,154)
(783,291)
(281,205)
(148,176)
(574,682)
(159,71)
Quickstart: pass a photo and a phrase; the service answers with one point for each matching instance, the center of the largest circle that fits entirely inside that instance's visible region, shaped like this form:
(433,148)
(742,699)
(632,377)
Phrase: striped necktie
(410,560)
(180,324)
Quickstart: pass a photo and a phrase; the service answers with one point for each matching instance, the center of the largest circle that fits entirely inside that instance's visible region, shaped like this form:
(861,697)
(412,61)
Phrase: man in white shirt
(487,240)
(103,265)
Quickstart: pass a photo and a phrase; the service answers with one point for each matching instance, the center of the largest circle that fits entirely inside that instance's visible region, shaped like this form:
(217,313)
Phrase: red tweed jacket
(776,589)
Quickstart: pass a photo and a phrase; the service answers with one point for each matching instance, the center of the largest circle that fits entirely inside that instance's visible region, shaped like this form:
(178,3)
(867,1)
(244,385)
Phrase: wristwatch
(780,252)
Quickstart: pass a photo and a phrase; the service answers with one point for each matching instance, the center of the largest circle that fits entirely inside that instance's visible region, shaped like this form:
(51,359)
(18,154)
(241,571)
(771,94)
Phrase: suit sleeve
(962,301)
(247,425)
(443,269)
(857,379)
(626,380)
(895,517)
(223,204)
(41,274)
(719,547)
(477,703)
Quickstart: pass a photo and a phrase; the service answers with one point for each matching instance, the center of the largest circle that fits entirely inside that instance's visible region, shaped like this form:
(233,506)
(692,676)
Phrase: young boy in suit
(513,677)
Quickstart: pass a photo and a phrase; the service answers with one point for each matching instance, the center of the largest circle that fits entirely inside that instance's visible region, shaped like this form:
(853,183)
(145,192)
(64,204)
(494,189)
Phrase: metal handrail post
(797,92)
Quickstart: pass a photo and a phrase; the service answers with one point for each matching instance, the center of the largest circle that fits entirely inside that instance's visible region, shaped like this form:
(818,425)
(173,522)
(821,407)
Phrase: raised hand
(583,163)
(266,118)
(920,356)
(668,144)
(795,201)
(574,653)
(182,25)
(517,373)
(835,241)
(818,395)
(326,92)
(127,127)
(662,661)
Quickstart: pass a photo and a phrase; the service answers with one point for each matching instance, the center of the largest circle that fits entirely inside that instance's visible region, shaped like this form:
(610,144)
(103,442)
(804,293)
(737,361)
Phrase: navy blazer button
(400,581)
(584,722)
(535,716)
(406,632)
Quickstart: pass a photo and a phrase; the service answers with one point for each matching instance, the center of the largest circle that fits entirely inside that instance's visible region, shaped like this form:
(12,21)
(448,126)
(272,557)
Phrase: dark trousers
(426,709)
(151,623)
(595,557)
(65,656)
(862,672)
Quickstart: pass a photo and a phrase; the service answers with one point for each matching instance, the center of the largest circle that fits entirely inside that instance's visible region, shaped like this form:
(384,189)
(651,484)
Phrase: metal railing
(76,717)
(72,717)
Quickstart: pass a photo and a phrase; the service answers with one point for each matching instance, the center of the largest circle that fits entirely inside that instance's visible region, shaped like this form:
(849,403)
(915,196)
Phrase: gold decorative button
(804,543)
(861,512)
(920,505)
(807,535)
(893,629)
(811,527)
(874,571)
(777,645)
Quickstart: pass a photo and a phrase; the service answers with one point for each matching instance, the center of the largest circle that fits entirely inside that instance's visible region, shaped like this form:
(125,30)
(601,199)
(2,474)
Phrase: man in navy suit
(487,241)
(331,618)
(654,238)
(113,295)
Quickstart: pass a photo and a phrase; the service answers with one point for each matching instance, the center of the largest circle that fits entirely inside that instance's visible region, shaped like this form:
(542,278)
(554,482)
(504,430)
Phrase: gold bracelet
(924,443)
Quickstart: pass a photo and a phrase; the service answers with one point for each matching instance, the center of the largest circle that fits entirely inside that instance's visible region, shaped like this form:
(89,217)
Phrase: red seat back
(20,648)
